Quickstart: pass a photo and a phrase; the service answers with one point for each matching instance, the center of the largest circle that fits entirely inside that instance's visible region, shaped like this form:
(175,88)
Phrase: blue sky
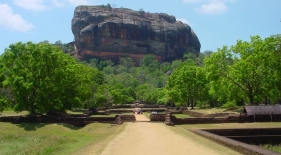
(216,22)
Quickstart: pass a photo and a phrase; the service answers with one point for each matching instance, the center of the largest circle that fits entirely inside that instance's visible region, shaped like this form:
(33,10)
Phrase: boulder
(109,33)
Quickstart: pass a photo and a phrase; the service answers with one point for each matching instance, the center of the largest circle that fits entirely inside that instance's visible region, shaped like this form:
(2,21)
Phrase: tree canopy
(41,77)
(247,71)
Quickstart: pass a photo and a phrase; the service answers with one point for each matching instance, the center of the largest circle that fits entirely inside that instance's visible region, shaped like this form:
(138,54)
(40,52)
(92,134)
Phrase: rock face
(108,33)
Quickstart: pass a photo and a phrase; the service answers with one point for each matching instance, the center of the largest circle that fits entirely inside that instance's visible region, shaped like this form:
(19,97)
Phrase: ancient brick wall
(157,117)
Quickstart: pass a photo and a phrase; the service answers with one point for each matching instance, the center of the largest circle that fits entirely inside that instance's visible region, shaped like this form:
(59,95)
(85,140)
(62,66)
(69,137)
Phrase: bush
(229,104)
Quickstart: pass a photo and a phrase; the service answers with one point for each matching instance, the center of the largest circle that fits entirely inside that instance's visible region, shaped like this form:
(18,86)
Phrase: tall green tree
(248,70)
(43,78)
(150,62)
(186,84)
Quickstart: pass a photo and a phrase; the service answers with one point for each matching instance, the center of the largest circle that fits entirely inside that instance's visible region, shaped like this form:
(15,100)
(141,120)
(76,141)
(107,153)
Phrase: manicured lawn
(216,110)
(51,138)
(232,125)
(276,148)
(74,112)
(110,115)
(12,113)
(147,114)
(181,115)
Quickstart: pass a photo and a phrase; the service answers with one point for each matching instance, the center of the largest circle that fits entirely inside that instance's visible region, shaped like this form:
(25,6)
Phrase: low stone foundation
(253,136)
(157,117)
(75,121)
(228,119)
(128,118)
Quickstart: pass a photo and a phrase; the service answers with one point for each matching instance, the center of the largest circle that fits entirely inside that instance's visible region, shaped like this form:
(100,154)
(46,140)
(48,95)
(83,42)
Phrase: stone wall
(157,117)
(229,119)
(128,118)
(76,121)
(243,148)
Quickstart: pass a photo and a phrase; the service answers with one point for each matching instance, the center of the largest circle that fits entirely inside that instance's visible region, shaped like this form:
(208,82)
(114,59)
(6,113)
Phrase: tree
(165,67)
(122,95)
(126,64)
(247,69)
(94,63)
(58,42)
(150,62)
(109,7)
(149,94)
(99,98)
(176,63)
(43,78)
(4,92)
(186,85)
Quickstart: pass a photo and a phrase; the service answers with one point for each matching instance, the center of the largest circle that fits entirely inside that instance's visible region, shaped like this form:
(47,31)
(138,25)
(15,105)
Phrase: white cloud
(40,5)
(80,2)
(191,1)
(34,5)
(62,3)
(183,20)
(58,3)
(232,1)
(212,7)
(13,21)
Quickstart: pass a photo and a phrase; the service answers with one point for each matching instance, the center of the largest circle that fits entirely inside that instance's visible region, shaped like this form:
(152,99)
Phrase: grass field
(12,113)
(181,115)
(233,125)
(216,110)
(51,138)
(276,148)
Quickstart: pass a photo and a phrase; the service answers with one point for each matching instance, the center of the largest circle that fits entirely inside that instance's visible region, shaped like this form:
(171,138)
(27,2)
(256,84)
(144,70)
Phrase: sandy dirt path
(146,138)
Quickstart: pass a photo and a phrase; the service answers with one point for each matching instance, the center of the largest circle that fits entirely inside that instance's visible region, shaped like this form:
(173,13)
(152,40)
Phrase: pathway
(141,118)
(146,138)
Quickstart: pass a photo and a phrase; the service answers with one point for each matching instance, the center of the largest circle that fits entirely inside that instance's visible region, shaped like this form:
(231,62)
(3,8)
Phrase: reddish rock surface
(105,32)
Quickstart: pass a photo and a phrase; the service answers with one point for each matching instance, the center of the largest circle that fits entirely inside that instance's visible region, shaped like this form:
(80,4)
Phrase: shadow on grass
(31,126)
(70,126)
(35,126)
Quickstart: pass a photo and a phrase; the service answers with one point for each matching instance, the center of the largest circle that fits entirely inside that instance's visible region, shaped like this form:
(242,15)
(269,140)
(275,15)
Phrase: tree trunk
(251,98)
(32,109)
(192,104)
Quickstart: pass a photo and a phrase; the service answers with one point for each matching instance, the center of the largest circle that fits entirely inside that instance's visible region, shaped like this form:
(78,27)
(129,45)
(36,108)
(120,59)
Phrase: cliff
(105,32)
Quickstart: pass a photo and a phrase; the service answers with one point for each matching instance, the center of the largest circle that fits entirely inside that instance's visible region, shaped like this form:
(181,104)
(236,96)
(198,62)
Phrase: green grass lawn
(147,114)
(276,148)
(181,115)
(12,113)
(51,138)
(74,112)
(216,110)
(110,115)
(232,125)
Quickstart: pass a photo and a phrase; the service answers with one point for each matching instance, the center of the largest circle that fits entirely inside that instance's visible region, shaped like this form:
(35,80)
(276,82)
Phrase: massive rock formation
(105,32)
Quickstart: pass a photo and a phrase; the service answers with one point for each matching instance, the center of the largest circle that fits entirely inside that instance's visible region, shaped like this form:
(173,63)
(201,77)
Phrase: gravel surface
(147,138)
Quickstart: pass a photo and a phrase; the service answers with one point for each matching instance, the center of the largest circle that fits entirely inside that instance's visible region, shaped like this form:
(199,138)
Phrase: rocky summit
(109,33)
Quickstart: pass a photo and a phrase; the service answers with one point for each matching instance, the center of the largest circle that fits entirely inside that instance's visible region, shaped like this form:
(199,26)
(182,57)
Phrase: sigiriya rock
(109,33)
